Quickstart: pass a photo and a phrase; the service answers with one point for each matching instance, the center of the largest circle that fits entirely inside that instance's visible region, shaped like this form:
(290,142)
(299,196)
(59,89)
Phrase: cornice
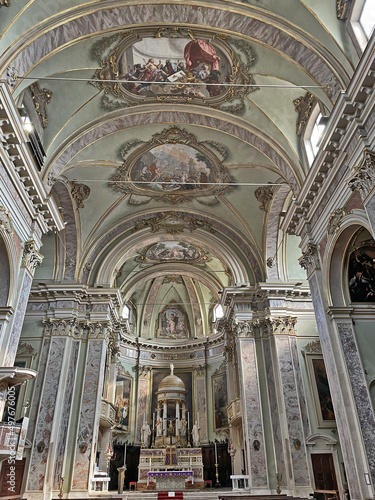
(351,109)
(21,168)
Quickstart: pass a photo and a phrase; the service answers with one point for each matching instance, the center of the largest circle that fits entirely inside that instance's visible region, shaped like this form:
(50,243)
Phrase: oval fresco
(172,250)
(173,167)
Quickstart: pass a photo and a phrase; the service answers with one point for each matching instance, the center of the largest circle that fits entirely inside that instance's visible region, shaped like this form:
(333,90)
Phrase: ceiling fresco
(174,65)
(172,167)
(173,251)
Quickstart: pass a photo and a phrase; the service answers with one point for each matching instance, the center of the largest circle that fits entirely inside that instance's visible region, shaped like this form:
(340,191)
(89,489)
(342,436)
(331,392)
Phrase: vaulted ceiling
(172,192)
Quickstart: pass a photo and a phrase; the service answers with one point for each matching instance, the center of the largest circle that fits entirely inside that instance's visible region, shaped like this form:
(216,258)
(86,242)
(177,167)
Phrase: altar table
(170,479)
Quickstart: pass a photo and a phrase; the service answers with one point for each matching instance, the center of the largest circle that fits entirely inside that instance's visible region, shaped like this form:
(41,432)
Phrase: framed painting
(173,323)
(124,385)
(320,391)
(220,401)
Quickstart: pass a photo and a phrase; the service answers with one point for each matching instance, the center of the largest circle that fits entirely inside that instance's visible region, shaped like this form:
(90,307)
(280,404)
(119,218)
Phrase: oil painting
(361,268)
(172,250)
(220,401)
(320,391)
(122,400)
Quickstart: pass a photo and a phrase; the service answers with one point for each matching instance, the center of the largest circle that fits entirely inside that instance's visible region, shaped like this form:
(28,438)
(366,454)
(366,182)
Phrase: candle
(125,455)
(198,419)
(153,421)
(188,421)
(215,453)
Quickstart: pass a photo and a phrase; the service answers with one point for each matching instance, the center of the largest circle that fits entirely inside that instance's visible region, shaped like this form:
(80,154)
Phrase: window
(218,312)
(363,20)
(314,133)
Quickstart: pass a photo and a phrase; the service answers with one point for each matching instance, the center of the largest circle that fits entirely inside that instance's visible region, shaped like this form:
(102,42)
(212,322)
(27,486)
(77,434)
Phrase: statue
(195,434)
(145,434)
(159,427)
(182,427)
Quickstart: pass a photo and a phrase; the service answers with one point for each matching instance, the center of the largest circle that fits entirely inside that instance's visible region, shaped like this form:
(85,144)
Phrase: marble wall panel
(345,432)
(19,316)
(252,413)
(142,400)
(46,414)
(360,392)
(292,411)
(300,388)
(275,414)
(89,414)
(65,417)
(201,401)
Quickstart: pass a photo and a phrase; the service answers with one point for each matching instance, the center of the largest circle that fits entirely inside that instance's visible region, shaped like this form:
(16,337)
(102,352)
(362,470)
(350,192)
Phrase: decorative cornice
(310,259)
(31,257)
(304,106)
(363,177)
(335,219)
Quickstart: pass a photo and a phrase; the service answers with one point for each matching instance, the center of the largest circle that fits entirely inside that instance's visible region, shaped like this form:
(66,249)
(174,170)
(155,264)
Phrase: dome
(171,382)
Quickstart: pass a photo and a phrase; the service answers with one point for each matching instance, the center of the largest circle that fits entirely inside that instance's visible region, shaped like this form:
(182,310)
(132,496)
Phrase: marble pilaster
(90,408)
(251,408)
(201,401)
(347,423)
(143,401)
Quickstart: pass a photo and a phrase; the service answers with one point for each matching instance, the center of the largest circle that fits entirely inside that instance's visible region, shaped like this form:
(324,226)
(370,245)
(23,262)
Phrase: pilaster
(143,399)
(201,402)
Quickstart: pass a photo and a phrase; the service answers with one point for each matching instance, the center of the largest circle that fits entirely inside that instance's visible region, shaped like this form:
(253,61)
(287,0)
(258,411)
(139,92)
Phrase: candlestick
(125,455)
(215,453)
(153,421)
(188,421)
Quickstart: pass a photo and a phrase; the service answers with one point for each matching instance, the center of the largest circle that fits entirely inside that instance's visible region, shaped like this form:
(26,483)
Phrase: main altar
(167,459)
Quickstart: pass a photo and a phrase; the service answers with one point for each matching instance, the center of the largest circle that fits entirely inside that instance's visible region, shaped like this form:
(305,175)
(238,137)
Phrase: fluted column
(177,418)
(165,416)
(347,418)
(252,417)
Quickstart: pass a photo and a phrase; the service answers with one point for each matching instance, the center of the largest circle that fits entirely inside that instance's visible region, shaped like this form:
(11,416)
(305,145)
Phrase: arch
(124,119)
(292,42)
(5,273)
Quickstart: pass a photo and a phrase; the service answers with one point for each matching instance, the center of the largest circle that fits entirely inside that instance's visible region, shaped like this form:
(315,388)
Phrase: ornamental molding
(264,195)
(100,330)
(342,9)
(363,177)
(310,259)
(304,106)
(222,369)
(172,222)
(4,3)
(245,329)
(31,257)
(56,327)
(121,370)
(335,220)
(25,349)
(200,370)
(6,221)
(80,193)
(41,97)
(313,347)
(143,371)
(283,325)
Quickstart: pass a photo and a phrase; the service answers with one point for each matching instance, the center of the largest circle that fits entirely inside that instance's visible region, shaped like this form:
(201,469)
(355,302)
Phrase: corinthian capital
(98,330)
(31,258)
(363,177)
(283,325)
(245,328)
(310,259)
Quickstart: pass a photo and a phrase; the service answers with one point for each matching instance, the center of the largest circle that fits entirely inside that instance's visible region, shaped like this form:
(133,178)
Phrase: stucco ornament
(363,177)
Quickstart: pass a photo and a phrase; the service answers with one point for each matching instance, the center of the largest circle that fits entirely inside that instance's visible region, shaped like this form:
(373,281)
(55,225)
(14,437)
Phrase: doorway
(324,471)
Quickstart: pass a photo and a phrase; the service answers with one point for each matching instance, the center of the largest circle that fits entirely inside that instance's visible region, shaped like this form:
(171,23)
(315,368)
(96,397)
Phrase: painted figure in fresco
(195,434)
(145,434)
(172,324)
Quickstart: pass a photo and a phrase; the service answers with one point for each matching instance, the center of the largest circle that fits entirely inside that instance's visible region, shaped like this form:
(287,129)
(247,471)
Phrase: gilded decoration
(80,193)
(41,97)
(304,106)
(363,177)
(31,258)
(172,223)
(173,251)
(172,323)
(174,65)
(4,3)
(342,9)
(335,220)
(172,167)
(264,195)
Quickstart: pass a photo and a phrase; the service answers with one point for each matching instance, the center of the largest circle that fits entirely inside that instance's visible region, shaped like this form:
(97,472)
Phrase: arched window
(362,20)
(314,133)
